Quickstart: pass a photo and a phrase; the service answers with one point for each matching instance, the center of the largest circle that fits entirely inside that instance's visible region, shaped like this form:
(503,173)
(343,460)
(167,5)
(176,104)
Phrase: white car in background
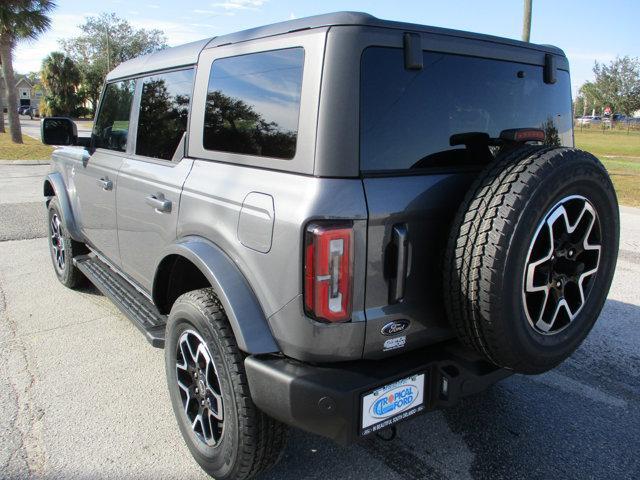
(589,120)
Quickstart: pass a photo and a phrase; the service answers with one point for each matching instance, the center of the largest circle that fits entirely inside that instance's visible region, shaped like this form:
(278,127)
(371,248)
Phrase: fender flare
(56,182)
(243,310)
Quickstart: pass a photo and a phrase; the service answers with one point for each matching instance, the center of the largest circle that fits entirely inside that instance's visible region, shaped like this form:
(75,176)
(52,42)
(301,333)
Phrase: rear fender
(245,314)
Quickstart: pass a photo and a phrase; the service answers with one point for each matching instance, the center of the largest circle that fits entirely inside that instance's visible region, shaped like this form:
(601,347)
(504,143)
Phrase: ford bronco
(335,223)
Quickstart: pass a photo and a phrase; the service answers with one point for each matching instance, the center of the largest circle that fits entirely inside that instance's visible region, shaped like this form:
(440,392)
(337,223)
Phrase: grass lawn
(31,149)
(620,153)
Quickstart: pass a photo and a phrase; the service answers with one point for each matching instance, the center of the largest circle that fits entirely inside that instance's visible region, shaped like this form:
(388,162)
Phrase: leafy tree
(105,42)
(589,97)
(60,77)
(163,118)
(19,20)
(618,84)
(551,136)
(232,125)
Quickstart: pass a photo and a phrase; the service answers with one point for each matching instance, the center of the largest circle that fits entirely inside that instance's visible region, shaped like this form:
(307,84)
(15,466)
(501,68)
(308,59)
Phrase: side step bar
(130,301)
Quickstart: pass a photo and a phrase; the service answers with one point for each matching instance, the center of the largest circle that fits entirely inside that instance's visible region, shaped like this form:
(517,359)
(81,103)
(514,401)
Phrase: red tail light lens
(328,268)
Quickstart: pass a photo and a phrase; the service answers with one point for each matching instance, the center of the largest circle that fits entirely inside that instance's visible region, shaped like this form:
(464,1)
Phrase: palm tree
(19,20)
(60,78)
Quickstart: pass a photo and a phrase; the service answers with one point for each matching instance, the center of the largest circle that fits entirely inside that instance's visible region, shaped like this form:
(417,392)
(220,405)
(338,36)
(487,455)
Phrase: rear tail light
(328,269)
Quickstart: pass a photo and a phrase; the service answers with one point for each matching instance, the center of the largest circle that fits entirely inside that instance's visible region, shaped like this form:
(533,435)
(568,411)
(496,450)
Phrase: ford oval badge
(394,327)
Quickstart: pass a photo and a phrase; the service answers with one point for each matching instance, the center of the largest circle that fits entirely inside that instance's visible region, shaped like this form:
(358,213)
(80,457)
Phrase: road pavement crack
(26,425)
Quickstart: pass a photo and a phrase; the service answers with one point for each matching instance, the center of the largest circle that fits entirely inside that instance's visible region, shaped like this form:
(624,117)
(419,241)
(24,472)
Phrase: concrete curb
(25,162)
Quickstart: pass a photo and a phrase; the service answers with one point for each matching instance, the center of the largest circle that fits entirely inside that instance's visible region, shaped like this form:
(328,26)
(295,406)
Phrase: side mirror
(58,131)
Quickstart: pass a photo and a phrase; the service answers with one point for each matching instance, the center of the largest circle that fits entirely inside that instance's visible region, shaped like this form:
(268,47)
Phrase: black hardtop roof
(188,54)
(361,19)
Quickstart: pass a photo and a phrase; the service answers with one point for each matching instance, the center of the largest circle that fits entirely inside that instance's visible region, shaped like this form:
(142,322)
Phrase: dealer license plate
(391,403)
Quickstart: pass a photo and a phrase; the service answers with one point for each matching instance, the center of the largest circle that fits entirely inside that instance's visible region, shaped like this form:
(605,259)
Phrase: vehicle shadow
(89,288)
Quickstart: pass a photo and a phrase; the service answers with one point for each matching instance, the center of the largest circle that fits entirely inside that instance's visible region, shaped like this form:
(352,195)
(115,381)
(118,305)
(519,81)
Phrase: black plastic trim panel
(326,399)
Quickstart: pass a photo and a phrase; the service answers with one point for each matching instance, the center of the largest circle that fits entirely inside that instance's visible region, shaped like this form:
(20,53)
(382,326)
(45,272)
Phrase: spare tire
(531,256)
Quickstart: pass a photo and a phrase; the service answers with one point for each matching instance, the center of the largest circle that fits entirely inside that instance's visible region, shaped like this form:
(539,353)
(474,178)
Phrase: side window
(253,103)
(112,124)
(164,110)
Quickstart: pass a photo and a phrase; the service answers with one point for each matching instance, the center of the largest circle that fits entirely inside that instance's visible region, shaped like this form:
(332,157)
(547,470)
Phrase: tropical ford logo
(394,401)
(394,327)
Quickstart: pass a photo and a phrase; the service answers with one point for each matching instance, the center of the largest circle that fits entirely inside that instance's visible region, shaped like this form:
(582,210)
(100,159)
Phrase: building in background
(29,92)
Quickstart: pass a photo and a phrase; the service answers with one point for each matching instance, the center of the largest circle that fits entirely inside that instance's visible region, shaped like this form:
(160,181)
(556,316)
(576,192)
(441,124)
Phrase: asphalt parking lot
(83,395)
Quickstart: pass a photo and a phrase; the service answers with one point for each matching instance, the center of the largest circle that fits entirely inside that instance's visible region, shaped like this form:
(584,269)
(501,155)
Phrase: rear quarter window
(253,103)
(407,117)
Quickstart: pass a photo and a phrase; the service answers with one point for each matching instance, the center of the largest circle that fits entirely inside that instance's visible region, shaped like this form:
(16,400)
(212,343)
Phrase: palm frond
(24,19)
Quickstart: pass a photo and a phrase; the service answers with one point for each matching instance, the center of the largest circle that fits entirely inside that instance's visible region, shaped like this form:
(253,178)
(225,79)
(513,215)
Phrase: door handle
(400,242)
(105,183)
(161,204)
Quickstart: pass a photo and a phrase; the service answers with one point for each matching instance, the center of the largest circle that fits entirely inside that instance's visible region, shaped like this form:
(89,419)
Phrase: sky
(587,30)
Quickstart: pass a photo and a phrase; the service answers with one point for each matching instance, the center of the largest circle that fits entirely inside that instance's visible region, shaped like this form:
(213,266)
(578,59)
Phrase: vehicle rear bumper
(326,399)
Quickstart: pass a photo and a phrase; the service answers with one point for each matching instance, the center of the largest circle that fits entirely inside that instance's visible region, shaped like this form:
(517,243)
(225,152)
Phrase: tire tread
(479,241)
(263,439)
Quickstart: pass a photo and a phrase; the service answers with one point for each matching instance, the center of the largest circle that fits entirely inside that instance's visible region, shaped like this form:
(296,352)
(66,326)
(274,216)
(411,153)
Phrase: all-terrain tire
(63,248)
(512,213)
(250,442)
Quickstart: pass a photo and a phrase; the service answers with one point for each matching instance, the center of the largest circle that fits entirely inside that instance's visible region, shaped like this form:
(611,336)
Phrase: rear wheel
(225,432)
(531,256)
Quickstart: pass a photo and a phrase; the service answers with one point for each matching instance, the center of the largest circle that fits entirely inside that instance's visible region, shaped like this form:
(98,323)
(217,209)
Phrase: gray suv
(335,223)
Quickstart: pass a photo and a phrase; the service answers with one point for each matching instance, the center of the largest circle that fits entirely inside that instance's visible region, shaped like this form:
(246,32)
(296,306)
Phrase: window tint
(112,124)
(409,116)
(164,110)
(253,102)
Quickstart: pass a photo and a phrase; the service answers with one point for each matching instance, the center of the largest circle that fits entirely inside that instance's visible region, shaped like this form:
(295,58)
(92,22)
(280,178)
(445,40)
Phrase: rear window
(409,116)
(253,103)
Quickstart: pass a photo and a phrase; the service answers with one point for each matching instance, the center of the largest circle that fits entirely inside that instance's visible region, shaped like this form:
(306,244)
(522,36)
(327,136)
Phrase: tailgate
(409,218)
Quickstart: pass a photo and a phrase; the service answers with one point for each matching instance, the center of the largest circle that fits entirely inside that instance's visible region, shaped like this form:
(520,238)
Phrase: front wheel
(225,432)
(63,248)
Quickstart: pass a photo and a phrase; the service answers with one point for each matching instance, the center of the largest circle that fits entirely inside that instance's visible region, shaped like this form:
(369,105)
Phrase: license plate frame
(388,404)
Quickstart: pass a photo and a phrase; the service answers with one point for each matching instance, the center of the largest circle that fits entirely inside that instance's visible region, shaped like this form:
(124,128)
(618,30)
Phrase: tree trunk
(10,84)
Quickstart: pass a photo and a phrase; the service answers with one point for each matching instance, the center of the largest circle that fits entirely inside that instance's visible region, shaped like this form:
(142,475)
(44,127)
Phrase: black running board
(130,301)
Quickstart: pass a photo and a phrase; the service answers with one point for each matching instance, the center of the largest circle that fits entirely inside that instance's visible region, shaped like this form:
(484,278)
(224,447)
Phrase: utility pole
(526,21)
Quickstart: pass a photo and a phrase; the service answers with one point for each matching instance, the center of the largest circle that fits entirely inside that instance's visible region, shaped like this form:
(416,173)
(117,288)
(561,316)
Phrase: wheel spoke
(207,430)
(184,365)
(216,403)
(183,387)
(215,416)
(197,421)
(190,349)
(202,354)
